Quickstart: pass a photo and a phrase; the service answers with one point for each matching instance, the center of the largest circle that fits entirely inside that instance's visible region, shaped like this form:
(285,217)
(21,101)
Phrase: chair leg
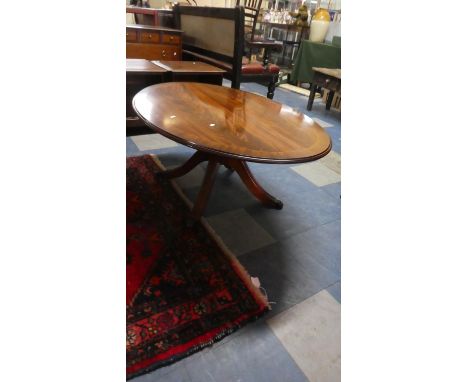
(271,88)
(331,94)
(235,82)
(313,89)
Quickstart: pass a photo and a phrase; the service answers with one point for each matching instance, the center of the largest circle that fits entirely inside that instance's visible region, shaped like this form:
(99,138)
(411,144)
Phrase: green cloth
(336,41)
(312,54)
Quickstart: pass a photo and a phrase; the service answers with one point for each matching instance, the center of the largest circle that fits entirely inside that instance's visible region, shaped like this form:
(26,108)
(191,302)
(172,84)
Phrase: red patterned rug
(184,290)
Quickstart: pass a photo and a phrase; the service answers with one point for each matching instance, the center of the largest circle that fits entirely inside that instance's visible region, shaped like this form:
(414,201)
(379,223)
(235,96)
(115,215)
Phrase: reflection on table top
(231,122)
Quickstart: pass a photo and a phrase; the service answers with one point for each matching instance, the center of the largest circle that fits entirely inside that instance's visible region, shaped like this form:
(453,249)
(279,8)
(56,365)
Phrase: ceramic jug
(319,25)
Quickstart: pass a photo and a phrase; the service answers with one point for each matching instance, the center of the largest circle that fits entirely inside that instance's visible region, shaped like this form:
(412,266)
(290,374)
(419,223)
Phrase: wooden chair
(251,12)
(217,36)
(255,41)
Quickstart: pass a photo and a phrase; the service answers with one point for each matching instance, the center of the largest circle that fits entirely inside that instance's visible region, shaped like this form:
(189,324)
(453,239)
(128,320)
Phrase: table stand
(233,164)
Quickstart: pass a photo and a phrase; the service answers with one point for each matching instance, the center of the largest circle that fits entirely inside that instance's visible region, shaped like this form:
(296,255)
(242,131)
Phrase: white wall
(157,3)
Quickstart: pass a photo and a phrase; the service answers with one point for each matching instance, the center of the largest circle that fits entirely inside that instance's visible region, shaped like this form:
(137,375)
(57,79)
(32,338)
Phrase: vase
(319,25)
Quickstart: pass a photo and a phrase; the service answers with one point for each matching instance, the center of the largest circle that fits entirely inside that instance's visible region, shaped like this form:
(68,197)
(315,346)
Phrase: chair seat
(257,68)
(273,68)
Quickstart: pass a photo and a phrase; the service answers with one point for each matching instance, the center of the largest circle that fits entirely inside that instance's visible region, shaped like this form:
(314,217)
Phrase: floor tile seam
(279,241)
(293,304)
(330,168)
(321,290)
(307,229)
(280,343)
(270,330)
(292,307)
(300,302)
(331,193)
(302,177)
(336,282)
(324,164)
(286,349)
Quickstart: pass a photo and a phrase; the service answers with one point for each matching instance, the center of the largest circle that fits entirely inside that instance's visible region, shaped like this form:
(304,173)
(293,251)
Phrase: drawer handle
(149,36)
(175,53)
(127,34)
(171,38)
(164,53)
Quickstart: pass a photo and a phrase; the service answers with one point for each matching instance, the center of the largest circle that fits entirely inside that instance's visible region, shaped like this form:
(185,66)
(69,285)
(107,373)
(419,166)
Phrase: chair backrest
(252,10)
(217,33)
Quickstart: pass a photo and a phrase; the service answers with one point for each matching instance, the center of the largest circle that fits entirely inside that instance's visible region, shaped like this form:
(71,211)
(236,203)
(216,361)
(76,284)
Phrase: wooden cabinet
(154,43)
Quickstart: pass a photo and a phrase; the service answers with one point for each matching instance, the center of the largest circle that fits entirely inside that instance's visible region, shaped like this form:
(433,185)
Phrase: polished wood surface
(138,65)
(188,67)
(231,123)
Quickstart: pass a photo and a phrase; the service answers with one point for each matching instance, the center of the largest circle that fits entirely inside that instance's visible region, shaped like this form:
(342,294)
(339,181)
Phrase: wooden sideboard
(154,43)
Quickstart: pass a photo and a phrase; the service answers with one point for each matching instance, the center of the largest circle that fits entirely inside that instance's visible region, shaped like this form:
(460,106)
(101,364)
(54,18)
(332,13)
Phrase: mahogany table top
(231,122)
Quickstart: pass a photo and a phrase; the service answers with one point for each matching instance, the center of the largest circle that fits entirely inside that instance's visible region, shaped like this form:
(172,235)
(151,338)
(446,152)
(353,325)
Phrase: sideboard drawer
(153,51)
(169,53)
(170,38)
(149,37)
(131,36)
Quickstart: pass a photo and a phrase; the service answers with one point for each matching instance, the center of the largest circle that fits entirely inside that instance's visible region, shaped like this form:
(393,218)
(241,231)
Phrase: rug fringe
(196,348)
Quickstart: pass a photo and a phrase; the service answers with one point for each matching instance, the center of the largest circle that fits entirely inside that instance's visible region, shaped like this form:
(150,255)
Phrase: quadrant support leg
(233,164)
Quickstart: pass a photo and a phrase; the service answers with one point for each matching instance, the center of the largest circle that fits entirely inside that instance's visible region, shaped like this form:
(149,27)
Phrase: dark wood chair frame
(251,12)
(232,65)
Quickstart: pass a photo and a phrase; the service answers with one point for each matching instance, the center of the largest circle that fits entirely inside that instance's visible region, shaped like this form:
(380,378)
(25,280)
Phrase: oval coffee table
(229,127)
